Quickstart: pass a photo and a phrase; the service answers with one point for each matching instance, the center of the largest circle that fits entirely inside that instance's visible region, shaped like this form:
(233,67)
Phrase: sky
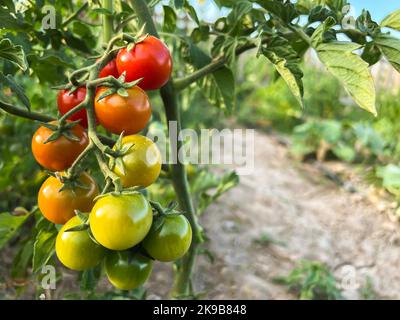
(378,8)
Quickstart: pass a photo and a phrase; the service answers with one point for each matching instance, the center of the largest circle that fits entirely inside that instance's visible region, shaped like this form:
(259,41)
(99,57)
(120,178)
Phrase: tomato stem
(108,27)
(178,172)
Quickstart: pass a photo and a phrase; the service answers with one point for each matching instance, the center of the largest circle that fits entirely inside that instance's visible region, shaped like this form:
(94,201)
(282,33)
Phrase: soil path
(316,220)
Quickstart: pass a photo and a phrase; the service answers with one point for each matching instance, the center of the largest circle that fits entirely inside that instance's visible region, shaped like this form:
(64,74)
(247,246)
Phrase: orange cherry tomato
(117,113)
(59,206)
(59,154)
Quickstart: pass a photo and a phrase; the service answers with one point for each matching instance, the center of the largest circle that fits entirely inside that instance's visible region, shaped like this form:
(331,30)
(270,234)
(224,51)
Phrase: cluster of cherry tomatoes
(120,228)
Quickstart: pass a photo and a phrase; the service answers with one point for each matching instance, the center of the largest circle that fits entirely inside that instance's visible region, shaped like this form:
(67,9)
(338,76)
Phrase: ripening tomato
(109,70)
(119,222)
(59,206)
(67,100)
(75,249)
(126,270)
(150,60)
(141,164)
(59,154)
(117,113)
(171,240)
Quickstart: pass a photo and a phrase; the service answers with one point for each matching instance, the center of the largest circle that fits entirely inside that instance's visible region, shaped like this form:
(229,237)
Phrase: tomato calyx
(118,86)
(136,40)
(61,129)
(68,180)
(170,210)
(119,150)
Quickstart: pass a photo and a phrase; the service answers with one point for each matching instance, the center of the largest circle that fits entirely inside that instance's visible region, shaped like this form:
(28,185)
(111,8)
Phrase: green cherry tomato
(119,222)
(75,249)
(170,239)
(141,164)
(126,270)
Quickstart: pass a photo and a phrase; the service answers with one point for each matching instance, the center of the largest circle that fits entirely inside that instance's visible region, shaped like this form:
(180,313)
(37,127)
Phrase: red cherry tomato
(150,60)
(109,70)
(67,100)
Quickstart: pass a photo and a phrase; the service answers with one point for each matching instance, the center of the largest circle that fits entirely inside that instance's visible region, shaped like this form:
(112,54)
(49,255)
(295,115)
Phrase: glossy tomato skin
(142,163)
(59,206)
(109,70)
(170,241)
(59,154)
(119,222)
(126,270)
(150,60)
(75,249)
(67,100)
(129,114)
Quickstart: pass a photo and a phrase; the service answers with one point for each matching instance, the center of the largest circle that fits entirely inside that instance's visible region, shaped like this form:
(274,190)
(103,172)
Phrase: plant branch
(73,16)
(215,65)
(107,21)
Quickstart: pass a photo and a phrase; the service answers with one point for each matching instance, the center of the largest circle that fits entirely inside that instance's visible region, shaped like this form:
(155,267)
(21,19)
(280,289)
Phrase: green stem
(107,21)
(73,16)
(178,172)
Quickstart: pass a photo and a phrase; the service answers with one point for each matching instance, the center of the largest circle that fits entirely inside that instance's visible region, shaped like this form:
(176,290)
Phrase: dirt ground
(316,219)
(313,218)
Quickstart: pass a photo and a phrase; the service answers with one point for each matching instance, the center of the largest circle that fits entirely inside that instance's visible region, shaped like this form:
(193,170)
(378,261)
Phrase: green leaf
(286,62)
(371,53)
(191,12)
(43,248)
(238,11)
(286,11)
(390,48)
(392,20)
(22,260)
(219,88)
(16,88)
(341,61)
(13,53)
(9,226)
(228,181)
(169,19)
(89,279)
(390,175)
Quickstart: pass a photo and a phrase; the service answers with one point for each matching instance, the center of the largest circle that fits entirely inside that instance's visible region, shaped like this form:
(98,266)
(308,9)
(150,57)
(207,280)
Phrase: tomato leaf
(80,227)
(169,19)
(9,226)
(371,53)
(341,61)
(286,62)
(13,53)
(390,48)
(89,279)
(43,248)
(16,88)
(392,20)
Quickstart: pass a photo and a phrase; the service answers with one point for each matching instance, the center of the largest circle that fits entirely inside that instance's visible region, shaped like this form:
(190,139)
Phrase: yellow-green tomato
(141,164)
(75,249)
(119,222)
(126,270)
(169,240)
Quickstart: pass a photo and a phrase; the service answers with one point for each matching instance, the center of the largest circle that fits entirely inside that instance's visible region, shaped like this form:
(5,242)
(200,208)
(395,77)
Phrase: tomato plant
(104,75)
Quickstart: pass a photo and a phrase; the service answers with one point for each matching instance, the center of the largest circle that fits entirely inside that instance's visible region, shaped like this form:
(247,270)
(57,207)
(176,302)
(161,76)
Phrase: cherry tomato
(149,59)
(129,114)
(170,240)
(109,70)
(67,100)
(75,249)
(119,222)
(126,270)
(141,164)
(59,154)
(59,206)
